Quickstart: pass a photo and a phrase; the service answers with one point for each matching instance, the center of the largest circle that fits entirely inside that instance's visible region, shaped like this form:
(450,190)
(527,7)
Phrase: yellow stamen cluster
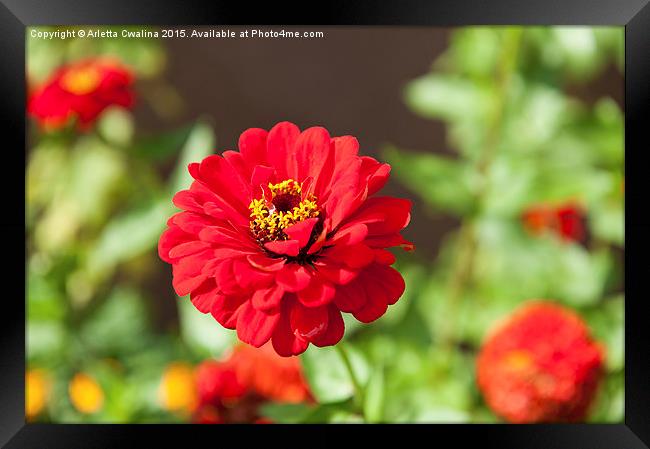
(288,186)
(268,223)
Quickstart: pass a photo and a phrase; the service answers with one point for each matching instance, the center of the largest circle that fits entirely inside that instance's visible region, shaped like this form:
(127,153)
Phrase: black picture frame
(16,15)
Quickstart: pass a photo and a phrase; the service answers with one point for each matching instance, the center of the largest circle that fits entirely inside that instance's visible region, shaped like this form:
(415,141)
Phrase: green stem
(358,389)
(463,268)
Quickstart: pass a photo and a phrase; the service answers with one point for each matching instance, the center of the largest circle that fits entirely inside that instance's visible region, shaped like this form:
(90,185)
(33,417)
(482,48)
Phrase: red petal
(286,247)
(224,275)
(254,326)
(384,257)
(225,308)
(193,168)
(373,309)
(350,234)
(312,150)
(227,237)
(280,149)
(308,322)
(227,253)
(335,329)
(391,281)
(335,272)
(186,200)
(389,240)
(170,238)
(267,299)
(237,162)
(248,277)
(285,342)
(192,222)
(317,293)
(346,195)
(204,296)
(260,178)
(293,277)
(301,231)
(354,256)
(252,146)
(344,149)
(318,244)
(384,286)
(189,248)
(187,273)
(265,263)
(222,179)
(375,173)
(351,297)
(395,214)
(224,211)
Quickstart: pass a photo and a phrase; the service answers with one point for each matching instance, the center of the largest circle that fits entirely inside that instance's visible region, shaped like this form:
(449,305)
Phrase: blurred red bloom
(278,239)
(231,390)
(540,365)
(565,220)
(81,91)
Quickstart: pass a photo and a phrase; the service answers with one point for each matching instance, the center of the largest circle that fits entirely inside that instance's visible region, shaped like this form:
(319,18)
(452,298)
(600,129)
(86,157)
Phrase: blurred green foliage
(520,139)
(98,201)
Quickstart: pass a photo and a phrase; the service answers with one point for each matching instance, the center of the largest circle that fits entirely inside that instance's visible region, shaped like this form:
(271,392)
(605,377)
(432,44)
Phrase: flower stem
(358,389)
(462,270)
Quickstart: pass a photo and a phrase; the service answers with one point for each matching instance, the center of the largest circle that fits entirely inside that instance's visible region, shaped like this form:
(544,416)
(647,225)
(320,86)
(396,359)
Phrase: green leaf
(129,235)
(116,126)
(44,300)
(441,415)
(534,118)
(200,143)
(327,375)
(161,146)
(474,50)
(119,325)
(442,182)
(45,339)
(580,276)
(448,98)
(202,331)
(94,174)
(286,413)
(606,321)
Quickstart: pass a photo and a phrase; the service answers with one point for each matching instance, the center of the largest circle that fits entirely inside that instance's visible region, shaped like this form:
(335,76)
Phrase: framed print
(403,218)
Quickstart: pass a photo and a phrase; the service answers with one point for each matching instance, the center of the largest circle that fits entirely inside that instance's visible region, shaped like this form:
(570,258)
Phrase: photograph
(325,224)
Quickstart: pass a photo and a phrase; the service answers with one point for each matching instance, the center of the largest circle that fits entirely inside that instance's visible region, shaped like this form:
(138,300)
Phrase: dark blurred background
(350,81)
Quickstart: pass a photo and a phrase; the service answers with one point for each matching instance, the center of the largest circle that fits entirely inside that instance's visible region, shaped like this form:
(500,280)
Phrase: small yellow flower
(85,393)
(37,389)
(177,390)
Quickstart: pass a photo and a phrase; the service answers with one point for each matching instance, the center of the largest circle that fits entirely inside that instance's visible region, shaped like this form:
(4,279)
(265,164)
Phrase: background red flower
(231,390)
(566,220)
(540,365)
(278,239)
(81,91)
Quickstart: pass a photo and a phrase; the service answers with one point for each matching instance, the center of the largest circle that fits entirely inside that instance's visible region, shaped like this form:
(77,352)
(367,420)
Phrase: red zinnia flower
(278,239)
(81,91)
(231,390)
(565,220)
(540,365)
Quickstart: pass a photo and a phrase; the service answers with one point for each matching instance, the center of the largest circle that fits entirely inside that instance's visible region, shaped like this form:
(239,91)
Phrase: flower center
(282,205)
(81,81)
(518,360)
